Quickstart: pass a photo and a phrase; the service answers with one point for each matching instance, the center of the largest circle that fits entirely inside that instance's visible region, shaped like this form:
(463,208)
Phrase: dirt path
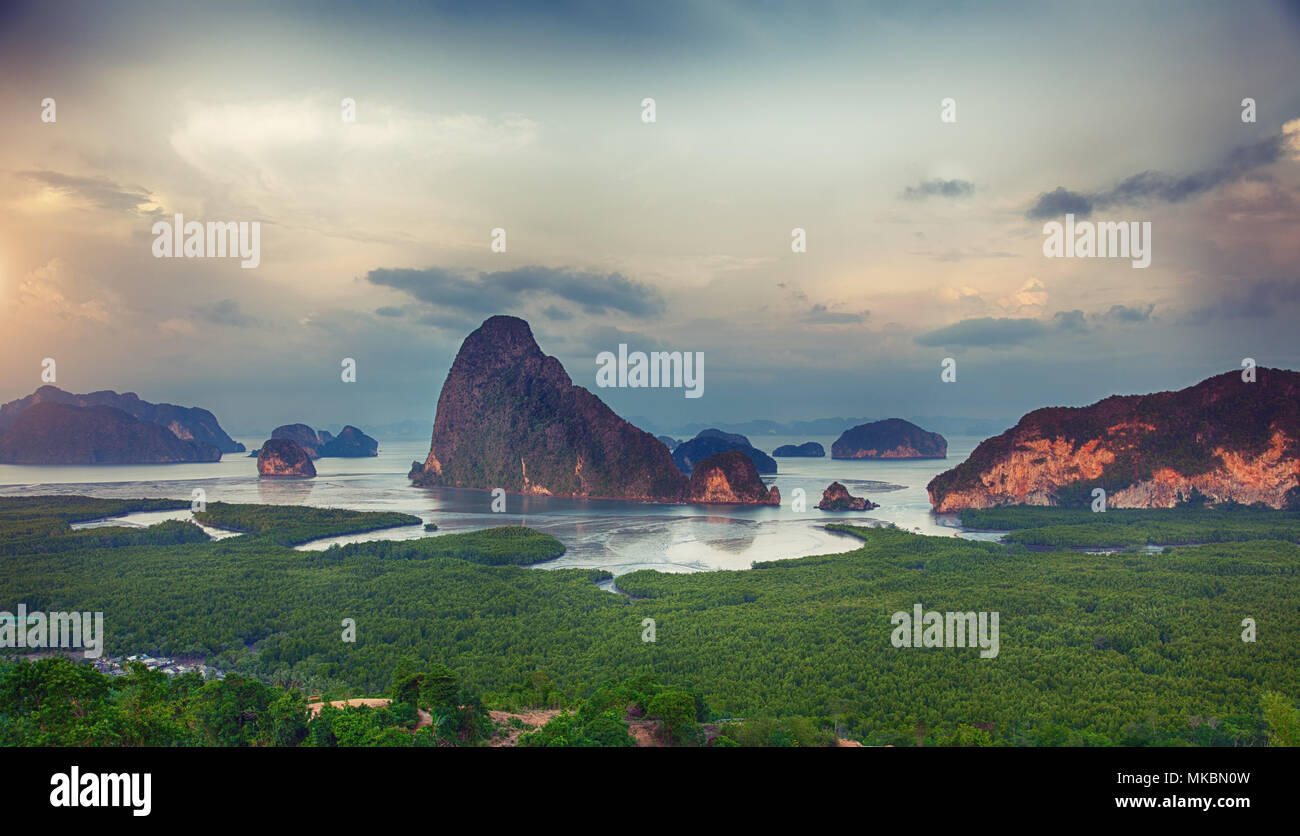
(508,735)
(313,708)
(644,732)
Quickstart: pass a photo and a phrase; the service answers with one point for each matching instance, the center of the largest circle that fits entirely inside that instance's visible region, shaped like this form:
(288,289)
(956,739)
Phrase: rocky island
(50,432)
(187,423)
(711,442)
(836,497)
(302,435)
(807,450)
(350,443)
(729,477)
(510,417)
(892,438)
(283,458)
(1227,439)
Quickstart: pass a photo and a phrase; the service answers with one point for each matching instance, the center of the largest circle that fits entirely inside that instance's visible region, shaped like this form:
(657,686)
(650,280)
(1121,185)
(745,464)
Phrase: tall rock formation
(711,442)
(1226,438)
(300,434)
(729,477)
(510,417)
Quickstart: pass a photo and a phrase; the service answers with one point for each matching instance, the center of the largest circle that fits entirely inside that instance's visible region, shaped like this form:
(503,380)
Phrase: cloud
(557,314)
(964,295)
(225,312)
(487,293)
(983,332)
(54,290)
(1070,321)
(177,327)
(959,254)
(1124,313)
(940,188)
(600,338)
(389,310)
(1291,137)
(234,140)
(822,315)
(1249,299)
(448,289)
(1060,201)
(1032,294)
(99,192)
(1167,188)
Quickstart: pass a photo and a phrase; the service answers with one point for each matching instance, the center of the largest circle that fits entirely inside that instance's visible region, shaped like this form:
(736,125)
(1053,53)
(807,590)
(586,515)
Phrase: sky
(924,235)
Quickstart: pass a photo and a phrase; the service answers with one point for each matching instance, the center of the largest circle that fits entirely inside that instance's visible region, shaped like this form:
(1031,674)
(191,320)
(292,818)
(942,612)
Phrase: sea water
(617,536)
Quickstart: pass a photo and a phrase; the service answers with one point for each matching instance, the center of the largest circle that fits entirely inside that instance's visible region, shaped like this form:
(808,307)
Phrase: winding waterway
(605,534)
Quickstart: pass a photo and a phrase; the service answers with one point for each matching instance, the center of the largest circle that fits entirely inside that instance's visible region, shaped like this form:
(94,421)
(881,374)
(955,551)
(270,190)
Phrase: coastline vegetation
(1121,527)
(1128,649)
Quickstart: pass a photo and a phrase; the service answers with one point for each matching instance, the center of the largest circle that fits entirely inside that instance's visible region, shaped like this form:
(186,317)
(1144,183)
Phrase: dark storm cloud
(1124,313)
(99,191)
(984,332)
(488,293)
(595,292)
(1249,299)
(445,288)
(1070,321)
(1060,201)
(225,312)
(940,188)
(1001,332)
(1158,186)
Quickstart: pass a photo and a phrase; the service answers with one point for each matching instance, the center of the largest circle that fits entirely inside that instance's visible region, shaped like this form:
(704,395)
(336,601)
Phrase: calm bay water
(605,534)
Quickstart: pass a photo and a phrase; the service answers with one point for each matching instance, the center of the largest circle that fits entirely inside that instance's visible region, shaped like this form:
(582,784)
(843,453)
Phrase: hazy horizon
(924,237)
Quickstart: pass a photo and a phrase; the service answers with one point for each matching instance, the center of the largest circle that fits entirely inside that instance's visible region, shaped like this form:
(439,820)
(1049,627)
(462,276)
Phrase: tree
(675,711)
(288,719)
(1283,719)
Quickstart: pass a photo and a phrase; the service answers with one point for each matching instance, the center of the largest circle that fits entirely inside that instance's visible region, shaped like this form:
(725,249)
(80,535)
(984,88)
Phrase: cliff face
(836,497)
(283,458)
(509,417)
(300,434)
(187,423)
(729,477)
(892,438)
(49,432)
(711,442)
(349,443)
(1226,438)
